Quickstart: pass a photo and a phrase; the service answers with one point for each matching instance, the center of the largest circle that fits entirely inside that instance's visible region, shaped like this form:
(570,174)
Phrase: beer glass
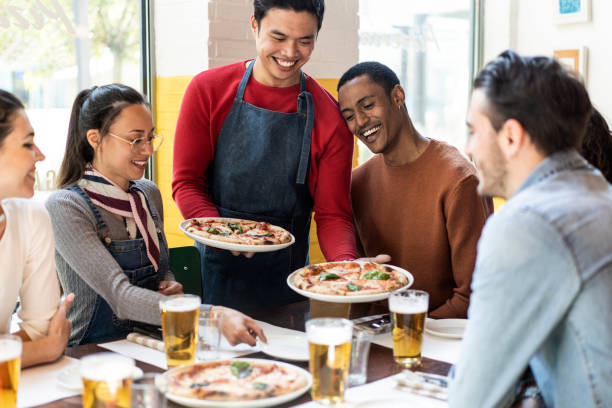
(179,319)
(10,367)
(408,311)
(329,341)
(107,380)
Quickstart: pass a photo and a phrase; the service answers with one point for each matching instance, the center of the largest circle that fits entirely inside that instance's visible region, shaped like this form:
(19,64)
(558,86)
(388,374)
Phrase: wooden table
(380,362)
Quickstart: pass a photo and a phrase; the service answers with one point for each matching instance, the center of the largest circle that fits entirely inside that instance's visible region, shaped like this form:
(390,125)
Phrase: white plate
(231,246)
(292,347)
(70,378)
(449,328)
(348,299)
(264,402)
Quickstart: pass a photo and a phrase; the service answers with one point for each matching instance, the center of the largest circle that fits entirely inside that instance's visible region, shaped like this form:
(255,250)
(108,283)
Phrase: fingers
(170,288)
(382,258)
(66,303)
(246,254)
(255,330)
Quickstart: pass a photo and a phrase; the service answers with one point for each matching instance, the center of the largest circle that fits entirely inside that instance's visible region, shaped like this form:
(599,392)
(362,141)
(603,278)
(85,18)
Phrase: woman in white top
(27,267)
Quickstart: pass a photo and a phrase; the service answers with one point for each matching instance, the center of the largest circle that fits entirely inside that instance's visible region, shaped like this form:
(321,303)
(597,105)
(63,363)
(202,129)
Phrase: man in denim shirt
(542,286)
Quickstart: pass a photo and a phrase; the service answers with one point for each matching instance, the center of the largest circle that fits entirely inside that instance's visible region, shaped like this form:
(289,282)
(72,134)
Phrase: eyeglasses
(140,144)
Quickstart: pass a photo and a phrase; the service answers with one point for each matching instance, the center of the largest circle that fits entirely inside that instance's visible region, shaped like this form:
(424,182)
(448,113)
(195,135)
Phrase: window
(428,44)
(52,49)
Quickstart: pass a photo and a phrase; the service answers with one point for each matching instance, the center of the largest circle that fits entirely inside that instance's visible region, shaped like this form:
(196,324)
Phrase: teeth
(370,131)
(139,163)
(285,64)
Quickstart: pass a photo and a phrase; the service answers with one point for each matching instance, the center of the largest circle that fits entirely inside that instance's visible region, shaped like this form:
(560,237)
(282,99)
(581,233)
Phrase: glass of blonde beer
(408,310)
(10,367)
(179,319)
(329,340)
(107,380)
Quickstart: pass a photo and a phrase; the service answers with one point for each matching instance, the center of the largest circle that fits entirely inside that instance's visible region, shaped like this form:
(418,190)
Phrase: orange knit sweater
(428,216)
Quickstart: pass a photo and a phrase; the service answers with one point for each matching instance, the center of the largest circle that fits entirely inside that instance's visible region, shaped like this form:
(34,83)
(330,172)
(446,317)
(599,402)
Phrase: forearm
(41,351)
(455,307)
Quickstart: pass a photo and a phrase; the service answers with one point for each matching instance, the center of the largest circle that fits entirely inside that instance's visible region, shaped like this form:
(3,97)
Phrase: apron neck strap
(247,75)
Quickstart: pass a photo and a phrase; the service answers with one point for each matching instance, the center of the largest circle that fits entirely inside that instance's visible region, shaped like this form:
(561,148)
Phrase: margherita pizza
(237,231)
(349,278)
(234,380)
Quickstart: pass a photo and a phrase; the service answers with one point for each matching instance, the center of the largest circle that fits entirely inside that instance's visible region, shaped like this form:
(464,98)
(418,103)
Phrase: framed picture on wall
(572,11)
(575,59)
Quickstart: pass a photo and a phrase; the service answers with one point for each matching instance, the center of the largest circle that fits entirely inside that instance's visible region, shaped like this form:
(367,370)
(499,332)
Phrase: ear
(93,138)
(254,26)
(512,138)
(398,97)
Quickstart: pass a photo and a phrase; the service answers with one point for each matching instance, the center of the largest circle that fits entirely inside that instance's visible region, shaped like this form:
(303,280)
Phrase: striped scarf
(131,204)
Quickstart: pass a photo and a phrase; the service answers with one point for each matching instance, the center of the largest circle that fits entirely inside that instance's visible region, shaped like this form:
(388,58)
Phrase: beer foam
(408,305)
(329,336)
(106,368)
(181,304)
(9,349)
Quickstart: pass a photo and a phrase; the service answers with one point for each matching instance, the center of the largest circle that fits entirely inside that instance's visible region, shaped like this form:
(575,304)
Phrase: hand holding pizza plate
(243,382)
(237,235)
(349,281)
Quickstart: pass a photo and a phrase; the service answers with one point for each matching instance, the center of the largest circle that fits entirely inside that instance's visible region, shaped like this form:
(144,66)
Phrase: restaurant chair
(185,264)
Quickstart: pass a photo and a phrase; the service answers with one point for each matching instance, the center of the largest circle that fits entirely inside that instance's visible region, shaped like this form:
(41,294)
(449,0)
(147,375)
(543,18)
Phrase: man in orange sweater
(416,199)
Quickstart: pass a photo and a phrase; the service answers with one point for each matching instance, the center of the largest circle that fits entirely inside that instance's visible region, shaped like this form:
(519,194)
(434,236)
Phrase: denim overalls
(131,255)
(260,173)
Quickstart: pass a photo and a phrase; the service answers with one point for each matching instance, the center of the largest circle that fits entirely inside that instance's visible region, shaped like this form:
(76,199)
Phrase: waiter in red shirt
(261,140)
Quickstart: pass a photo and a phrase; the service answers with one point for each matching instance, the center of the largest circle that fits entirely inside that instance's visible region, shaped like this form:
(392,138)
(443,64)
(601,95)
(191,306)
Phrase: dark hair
(549,101)
(377,72)
(597,144)
(9,104)
(314,7)
(94,108)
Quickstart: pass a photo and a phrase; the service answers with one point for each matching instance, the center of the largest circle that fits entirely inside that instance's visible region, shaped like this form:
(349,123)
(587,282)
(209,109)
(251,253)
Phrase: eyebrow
(141,131)
(306,37)
(358,103)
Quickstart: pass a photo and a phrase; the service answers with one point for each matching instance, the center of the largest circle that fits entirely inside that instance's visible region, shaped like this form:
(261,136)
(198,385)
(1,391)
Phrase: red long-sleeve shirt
(207,102)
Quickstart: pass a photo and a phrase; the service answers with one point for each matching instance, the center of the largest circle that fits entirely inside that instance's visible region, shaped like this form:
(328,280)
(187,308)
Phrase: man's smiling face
(371,114)
(284,40)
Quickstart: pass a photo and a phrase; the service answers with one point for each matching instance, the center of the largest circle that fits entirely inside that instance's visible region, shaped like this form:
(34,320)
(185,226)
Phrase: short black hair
(377,72)
(314,7)
(548,100)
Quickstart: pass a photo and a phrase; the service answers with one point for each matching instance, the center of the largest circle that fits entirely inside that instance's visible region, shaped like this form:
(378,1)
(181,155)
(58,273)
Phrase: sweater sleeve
(40,292)
(331,194)
(193,152)
(78,244)
(466,213)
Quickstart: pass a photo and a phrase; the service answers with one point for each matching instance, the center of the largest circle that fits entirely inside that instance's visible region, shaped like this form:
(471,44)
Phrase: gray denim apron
(260,173)
(131,255)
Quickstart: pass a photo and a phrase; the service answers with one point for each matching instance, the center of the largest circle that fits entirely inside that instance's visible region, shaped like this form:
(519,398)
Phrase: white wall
(528,27)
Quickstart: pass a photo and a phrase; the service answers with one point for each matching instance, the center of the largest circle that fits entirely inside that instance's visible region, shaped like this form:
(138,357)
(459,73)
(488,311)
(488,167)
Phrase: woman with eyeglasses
(108,221)
(27,270)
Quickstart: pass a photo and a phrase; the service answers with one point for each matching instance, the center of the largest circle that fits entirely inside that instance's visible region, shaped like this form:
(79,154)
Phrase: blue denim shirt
(542,293)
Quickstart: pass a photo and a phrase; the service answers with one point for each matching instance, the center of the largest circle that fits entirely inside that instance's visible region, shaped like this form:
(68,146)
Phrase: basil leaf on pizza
(353,287)
(377,275)
(241,369)
(260,386)
(328,276)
